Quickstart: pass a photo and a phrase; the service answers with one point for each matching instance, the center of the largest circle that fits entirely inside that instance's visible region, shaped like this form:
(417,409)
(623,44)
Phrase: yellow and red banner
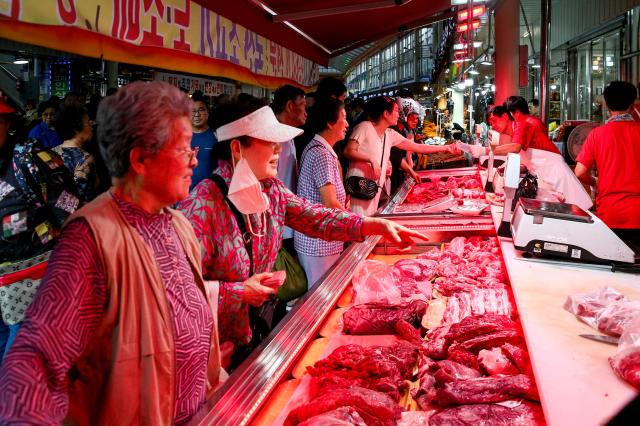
(177,35)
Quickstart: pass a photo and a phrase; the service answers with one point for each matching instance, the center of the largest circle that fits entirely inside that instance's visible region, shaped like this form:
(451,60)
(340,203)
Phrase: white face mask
(245,191)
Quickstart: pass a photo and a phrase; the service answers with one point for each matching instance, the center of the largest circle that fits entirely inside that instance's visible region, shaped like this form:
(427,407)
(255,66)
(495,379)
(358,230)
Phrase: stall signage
(207,86)
(172,34)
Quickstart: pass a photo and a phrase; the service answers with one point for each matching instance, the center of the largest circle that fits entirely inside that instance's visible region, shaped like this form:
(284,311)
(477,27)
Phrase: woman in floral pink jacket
(254,136)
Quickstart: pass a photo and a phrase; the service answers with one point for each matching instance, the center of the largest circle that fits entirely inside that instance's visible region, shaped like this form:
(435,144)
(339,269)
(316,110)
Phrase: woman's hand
(397,234)
(415,176)
(255,294)
(453,148)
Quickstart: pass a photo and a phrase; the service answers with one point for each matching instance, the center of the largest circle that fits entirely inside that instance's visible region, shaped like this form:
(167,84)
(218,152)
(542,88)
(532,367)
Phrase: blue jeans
(7,336)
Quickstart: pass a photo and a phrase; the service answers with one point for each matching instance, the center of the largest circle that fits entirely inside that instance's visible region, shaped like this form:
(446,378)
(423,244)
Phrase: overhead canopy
(329,27)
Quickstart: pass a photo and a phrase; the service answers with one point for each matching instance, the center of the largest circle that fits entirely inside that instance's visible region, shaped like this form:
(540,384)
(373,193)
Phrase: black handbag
(363,188)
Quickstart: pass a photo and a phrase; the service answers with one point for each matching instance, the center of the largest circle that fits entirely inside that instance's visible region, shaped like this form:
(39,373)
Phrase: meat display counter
(260,389)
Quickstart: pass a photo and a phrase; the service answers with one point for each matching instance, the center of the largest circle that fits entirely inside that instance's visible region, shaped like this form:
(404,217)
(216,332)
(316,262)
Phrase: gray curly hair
(138,115)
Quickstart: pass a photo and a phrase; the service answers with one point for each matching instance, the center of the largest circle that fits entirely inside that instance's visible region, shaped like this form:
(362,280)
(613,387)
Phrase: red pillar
(507,40)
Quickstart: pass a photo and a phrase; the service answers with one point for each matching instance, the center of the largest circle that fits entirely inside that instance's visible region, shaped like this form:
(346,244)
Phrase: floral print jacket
(225,258)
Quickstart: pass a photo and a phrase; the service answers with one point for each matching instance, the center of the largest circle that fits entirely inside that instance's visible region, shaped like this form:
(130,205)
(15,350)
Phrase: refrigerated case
(567,369)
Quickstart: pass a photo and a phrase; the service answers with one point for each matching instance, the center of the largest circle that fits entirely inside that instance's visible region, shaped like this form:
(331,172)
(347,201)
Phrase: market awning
(263,42)
(333,27)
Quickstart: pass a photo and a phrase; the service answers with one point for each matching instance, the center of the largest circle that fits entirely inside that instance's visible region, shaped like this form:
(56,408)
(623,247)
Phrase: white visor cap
(260,124)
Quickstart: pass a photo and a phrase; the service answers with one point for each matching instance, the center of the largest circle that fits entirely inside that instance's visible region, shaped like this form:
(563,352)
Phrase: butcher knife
(601,338)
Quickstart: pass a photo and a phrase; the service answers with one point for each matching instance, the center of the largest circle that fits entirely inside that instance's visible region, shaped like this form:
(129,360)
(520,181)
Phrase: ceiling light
(535,66)
(20,61)
(553,87)
(464,2)
(468,82)
(474,72)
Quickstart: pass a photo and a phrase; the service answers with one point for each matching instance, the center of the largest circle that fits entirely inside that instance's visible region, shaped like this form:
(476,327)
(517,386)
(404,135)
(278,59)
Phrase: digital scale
(561,230)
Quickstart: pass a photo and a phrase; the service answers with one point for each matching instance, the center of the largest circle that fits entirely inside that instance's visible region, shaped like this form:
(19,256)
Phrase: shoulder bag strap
(246,237)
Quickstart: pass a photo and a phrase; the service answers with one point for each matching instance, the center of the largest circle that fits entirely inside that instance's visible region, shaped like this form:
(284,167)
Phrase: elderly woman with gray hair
(120,331)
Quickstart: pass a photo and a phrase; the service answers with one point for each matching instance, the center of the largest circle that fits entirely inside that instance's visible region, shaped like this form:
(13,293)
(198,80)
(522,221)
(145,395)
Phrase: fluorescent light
(464,2)
(474,72)
(535,66)
(459,60)
(20,61)
(468,82)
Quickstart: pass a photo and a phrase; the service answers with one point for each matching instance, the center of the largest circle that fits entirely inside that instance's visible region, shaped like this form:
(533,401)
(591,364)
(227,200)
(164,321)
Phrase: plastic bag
(626,361)
(615,317)
(587,306)
(295,285)
(375,281)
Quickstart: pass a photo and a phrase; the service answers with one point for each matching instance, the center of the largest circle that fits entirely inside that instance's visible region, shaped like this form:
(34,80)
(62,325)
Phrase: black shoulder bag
(363,188)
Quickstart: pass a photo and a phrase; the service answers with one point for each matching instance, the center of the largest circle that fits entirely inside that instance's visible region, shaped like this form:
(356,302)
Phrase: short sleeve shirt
(530,136)
(615,151)
(371,144)
(319,167)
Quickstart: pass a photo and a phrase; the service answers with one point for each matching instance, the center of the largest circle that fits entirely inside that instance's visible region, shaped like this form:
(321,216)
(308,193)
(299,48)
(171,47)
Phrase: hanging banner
(207,86)
(178,35)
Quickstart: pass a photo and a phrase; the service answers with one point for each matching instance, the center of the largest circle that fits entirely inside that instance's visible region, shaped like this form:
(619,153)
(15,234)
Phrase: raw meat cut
(371,361)
(381,318)
(380,368)
(488,341)
(375,282)
(448,371)
(525,414)
(486,389)
(459,186)
(407,332)
(343,416)
(613,318)
(477,302)
(519,357)
(375,408)
(436,344)
(627,366)
(494,362)
(478,325)
(426,392)
(464,357)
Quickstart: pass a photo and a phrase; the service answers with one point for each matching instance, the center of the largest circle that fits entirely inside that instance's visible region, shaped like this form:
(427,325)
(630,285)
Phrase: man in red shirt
(615,151)
(524,135)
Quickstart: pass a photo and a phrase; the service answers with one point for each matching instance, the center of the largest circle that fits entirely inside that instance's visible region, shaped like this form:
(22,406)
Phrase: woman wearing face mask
(242,232)
(369,146)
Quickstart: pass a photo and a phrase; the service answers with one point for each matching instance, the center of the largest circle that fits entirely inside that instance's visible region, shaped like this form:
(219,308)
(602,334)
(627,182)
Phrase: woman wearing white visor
(242,232)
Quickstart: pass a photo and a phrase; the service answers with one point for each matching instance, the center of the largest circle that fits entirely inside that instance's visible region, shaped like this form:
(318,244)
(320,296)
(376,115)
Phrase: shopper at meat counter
(614,150)
(320,182)
(239,214)
(121,331)
(370,144)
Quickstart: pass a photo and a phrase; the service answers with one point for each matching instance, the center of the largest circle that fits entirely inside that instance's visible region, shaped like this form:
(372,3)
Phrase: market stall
(574,381)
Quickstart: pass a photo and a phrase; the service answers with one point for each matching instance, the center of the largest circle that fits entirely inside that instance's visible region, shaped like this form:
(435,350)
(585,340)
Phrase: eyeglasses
(190,154)
(198,111)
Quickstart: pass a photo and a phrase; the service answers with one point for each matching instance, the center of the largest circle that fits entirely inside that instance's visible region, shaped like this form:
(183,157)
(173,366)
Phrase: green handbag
(296,283)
